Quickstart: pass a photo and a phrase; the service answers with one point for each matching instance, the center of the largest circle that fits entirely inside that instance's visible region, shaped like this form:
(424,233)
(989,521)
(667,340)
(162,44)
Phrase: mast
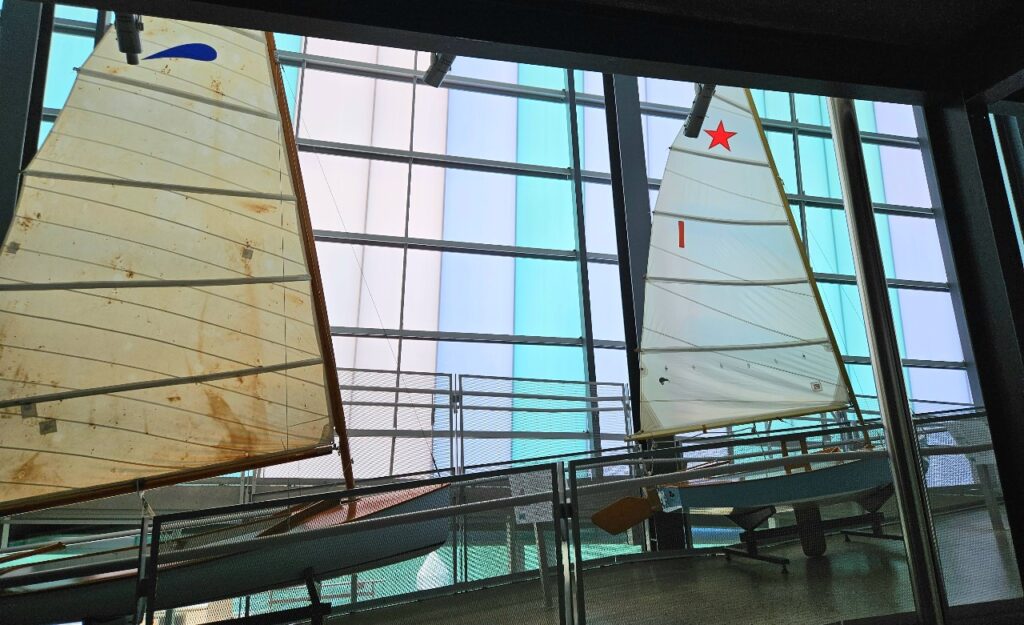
(323,327)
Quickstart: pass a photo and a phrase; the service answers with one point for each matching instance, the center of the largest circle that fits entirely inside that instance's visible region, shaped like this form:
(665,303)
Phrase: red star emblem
(720,136)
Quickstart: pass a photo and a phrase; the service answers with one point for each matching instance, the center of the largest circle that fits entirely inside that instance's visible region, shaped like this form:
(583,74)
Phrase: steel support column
(983,243)
(632,205)
(901,439)
(582,256)
(1012,145)
(24,51)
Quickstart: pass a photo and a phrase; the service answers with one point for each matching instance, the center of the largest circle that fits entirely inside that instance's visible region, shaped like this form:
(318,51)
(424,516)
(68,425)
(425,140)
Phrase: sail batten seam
(719,220)
(136,284)
(719,157)
(239,108)
(162,186)
(139,386)
(733,348)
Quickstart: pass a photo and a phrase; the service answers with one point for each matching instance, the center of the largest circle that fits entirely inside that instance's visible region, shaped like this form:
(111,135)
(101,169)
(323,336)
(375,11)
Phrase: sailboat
(734,329)
(162,320)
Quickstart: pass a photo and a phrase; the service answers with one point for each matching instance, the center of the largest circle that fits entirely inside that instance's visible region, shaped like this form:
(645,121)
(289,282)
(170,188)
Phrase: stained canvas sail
(157,311)
(734,330)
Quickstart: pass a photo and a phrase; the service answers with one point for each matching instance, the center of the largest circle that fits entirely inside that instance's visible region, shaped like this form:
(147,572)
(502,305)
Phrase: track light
(127,26)
(698,110)
(440,65)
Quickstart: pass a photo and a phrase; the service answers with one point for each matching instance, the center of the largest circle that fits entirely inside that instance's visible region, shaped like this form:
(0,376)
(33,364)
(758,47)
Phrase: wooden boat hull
(283,564)
(821,486)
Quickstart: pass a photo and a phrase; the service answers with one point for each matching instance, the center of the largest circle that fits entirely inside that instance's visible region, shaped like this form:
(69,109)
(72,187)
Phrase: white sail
(156,309)
(733,330)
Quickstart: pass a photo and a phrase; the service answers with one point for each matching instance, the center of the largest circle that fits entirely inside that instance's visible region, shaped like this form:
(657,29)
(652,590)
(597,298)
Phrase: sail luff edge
(331,382)
(807,263)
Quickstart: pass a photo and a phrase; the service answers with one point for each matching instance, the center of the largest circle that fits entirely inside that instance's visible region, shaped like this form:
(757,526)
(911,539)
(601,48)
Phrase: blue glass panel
(929,325)
(599,218)
(476,293)
(479,207)
(481,126)
(606,302)
(895,119)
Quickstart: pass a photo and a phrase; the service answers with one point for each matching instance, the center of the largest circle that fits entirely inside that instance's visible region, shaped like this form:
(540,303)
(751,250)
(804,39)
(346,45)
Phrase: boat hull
(820,486)
(239,574)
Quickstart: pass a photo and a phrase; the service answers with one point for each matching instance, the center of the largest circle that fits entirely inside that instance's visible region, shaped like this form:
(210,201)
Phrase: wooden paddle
(627,512)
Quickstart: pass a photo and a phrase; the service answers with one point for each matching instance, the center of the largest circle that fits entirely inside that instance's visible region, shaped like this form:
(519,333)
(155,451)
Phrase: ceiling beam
(612,38)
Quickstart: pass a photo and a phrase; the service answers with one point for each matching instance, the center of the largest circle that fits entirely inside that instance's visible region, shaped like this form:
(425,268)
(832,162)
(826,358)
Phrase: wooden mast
(316,284)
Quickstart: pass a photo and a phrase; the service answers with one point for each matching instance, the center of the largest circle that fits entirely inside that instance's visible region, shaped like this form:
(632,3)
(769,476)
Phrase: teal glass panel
(865,116)
(820,174)
(781,145)
(873,163)
(771,104)
(1017,226)
(75,13)
(828,241)
(44,131)
(289,75)
(811,109)
(842,304)
(794,210)
(66,53)
(547,299)
(545,213)
(828,244)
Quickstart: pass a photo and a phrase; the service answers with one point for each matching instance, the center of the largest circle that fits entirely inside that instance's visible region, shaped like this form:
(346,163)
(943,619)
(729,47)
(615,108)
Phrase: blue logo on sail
(194,51)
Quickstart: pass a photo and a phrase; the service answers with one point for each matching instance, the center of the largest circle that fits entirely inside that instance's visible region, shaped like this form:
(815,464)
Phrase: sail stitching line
(192,170)
(94,457)
(179,188)
(697,281)
(717,188)
(122,333)
(726,348)
(185,109)
(728,314)
(715,269)
(741,359)
(203,289)
(204,415)
(148,433)
(163,131)
(156,217)
(178,93)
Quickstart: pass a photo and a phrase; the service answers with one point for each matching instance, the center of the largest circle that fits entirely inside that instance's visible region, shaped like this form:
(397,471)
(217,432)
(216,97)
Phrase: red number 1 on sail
(682,234)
